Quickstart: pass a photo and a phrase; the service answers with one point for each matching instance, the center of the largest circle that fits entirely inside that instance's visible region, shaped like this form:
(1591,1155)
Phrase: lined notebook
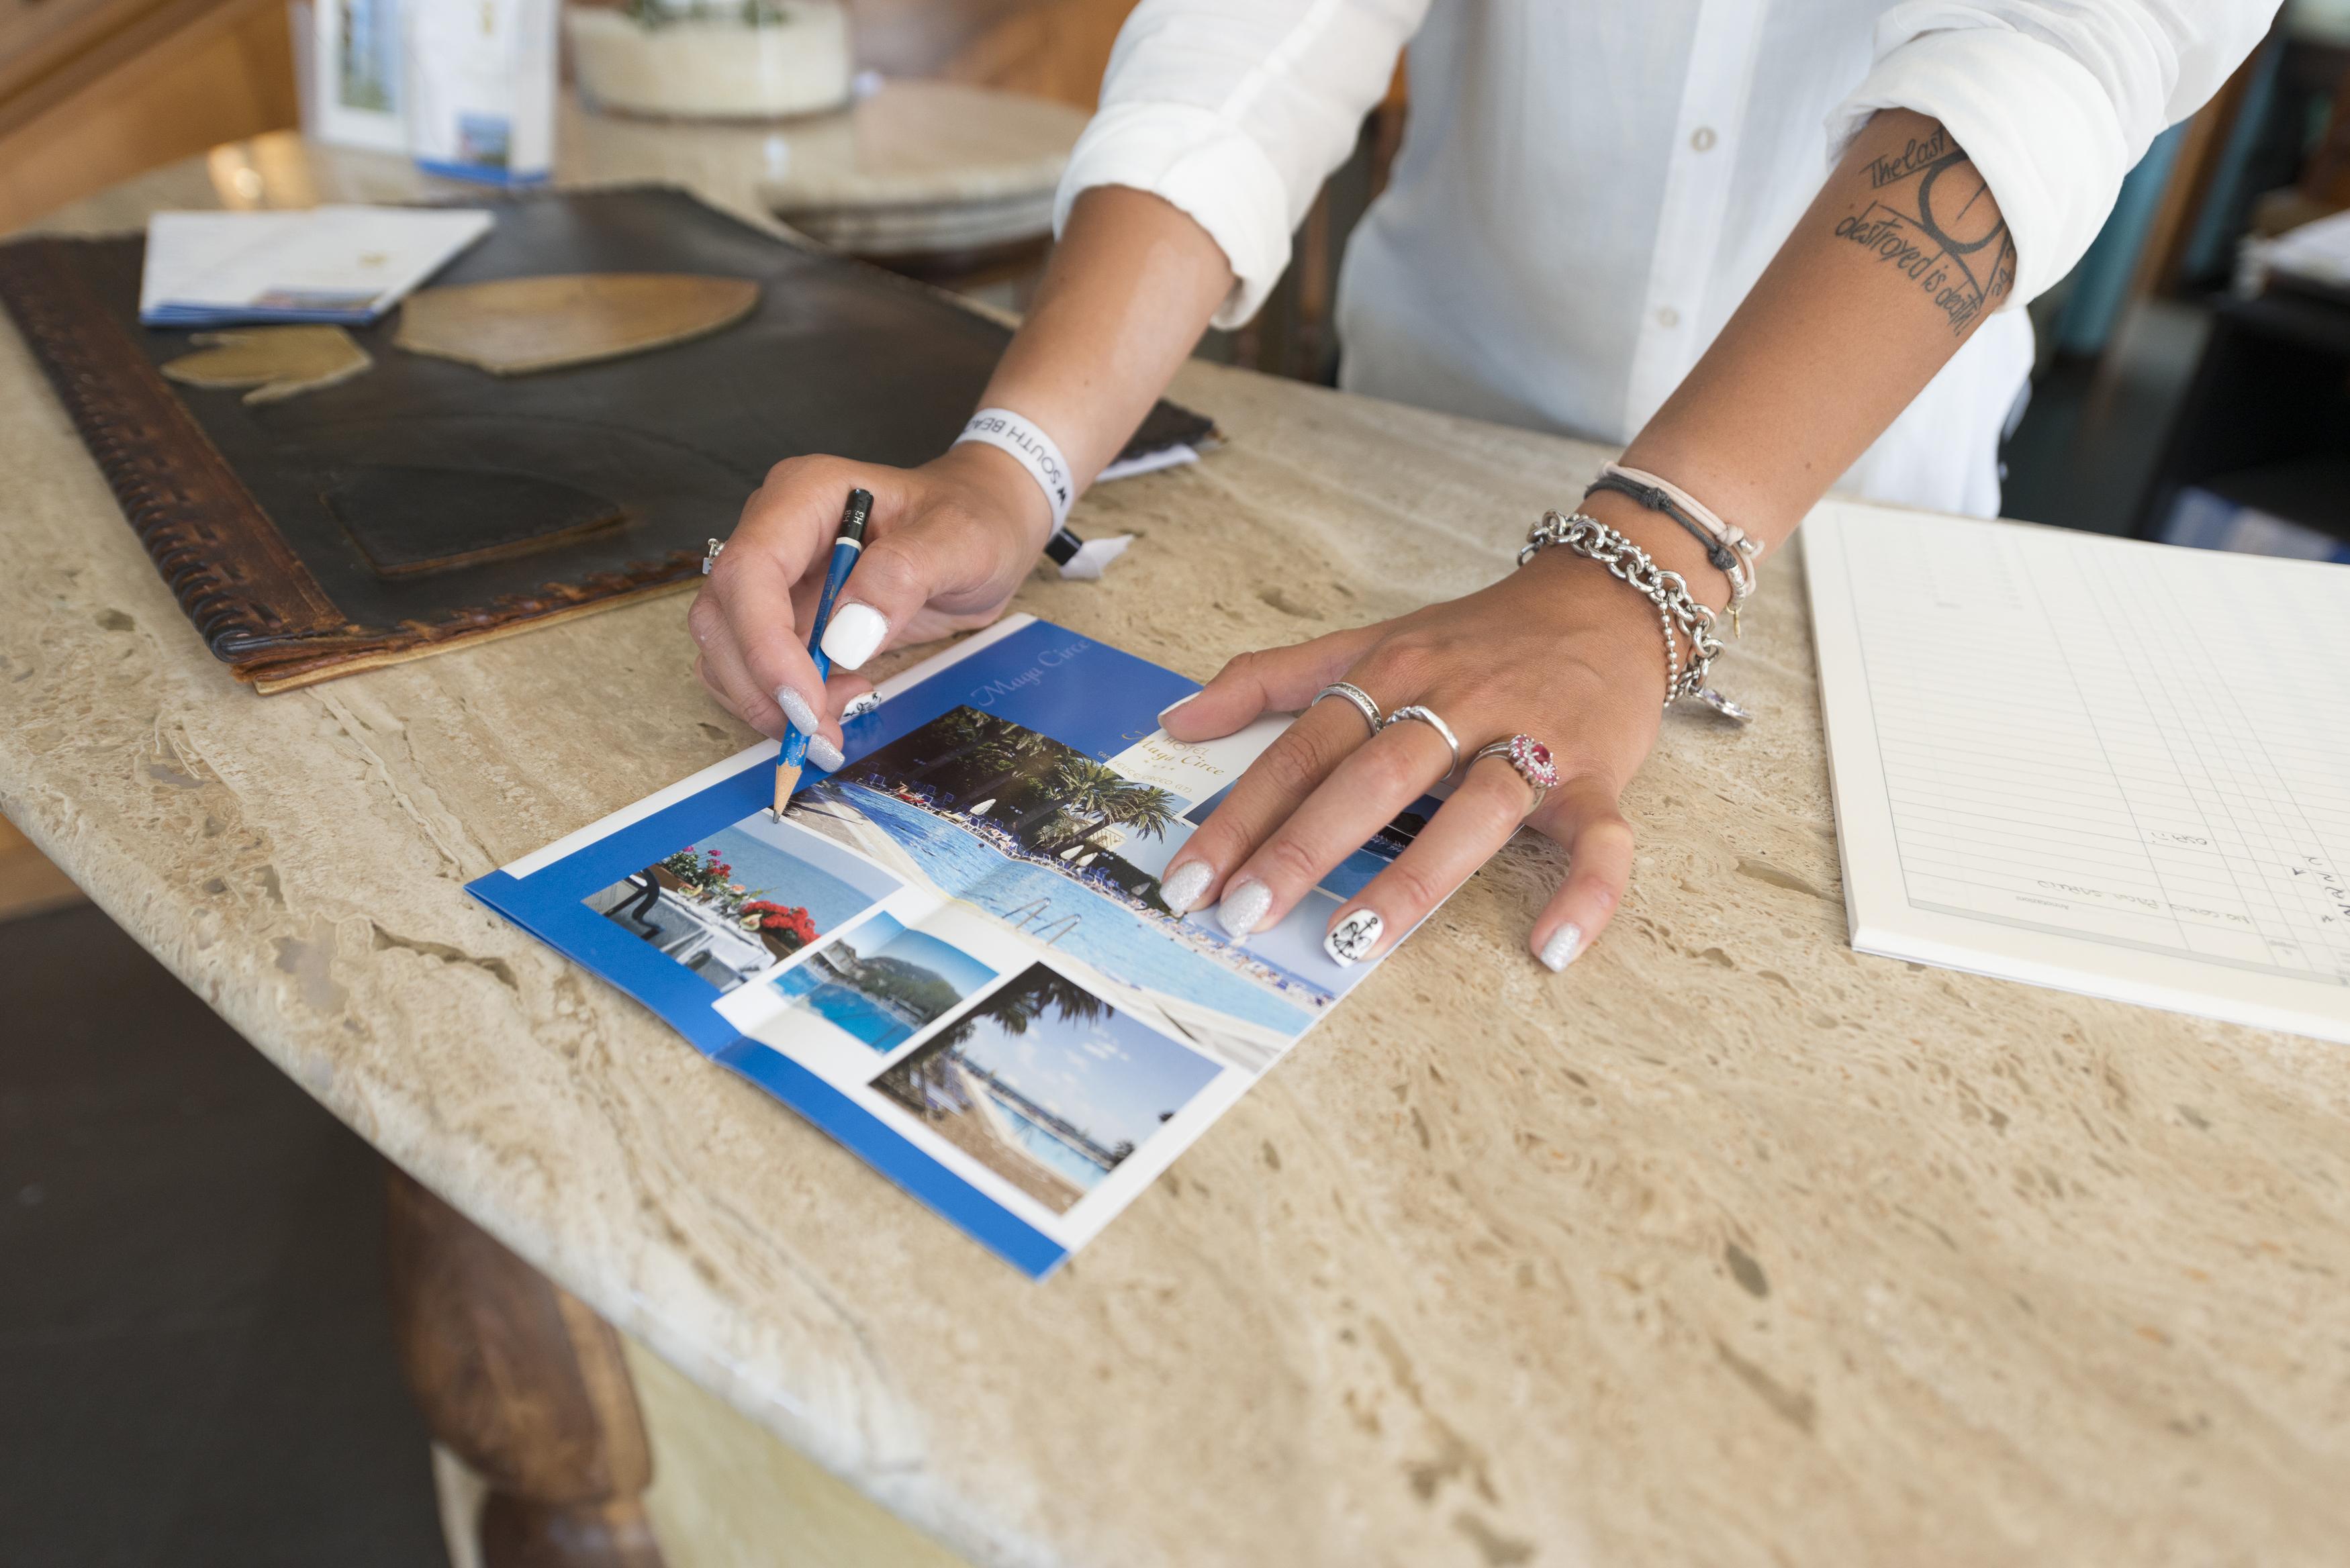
(2108,766)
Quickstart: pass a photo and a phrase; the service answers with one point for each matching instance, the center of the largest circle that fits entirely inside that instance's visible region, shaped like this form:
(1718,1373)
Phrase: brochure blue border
(1026,677)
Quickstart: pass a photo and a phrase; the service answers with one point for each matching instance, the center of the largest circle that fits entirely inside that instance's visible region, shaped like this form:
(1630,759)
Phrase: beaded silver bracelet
(1679,613)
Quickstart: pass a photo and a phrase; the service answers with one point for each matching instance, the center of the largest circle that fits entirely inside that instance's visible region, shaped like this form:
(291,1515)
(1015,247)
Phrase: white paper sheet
(346,265)
(2107,766)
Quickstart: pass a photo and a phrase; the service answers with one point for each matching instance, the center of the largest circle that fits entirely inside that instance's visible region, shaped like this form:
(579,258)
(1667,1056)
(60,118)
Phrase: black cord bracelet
(1724,558)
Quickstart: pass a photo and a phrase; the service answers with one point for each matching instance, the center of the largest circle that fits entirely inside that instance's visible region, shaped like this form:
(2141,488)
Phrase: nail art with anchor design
(1352,939)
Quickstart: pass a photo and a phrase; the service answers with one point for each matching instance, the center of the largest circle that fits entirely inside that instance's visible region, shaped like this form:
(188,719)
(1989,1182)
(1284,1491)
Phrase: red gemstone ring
(1529,757)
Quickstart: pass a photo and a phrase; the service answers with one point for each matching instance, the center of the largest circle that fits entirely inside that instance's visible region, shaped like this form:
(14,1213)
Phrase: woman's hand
(1559,650)
(947,544)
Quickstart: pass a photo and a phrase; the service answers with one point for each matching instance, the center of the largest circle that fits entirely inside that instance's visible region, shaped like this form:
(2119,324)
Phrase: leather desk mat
(425,503)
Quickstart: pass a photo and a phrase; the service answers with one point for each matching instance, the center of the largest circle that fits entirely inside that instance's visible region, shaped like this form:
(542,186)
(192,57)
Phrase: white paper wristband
(1007,431)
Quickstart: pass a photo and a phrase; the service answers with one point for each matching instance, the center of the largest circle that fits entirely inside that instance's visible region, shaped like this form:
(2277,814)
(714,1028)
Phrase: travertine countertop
(1727,1246)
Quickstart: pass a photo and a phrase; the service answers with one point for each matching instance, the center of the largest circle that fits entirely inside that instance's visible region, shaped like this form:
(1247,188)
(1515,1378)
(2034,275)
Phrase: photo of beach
(740,901)
(880,983)
(1046,1084)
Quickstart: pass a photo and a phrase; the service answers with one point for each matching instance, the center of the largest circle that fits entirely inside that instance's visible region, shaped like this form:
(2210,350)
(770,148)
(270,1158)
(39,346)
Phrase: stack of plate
(925,168)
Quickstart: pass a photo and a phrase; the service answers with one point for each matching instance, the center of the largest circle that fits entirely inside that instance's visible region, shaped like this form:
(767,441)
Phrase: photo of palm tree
(1030,793)
(1047,1086)
(1043,796)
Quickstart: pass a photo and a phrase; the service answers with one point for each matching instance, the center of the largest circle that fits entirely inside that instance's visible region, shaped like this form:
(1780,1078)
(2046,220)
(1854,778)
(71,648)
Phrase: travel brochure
(951,953)
(345,265)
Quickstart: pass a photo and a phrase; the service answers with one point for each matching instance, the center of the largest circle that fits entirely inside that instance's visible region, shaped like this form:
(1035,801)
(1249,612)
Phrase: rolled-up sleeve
(1235,111)
(2052,100)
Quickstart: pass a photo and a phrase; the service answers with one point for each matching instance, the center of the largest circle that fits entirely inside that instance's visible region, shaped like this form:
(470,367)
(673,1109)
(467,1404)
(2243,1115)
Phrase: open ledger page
(952,954)
(2101,765)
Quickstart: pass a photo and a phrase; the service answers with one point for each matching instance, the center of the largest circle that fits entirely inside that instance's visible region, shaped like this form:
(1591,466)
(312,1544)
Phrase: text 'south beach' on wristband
(1007,431)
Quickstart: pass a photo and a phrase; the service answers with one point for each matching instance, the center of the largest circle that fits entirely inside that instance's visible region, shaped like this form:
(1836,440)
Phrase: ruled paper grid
(2138,752)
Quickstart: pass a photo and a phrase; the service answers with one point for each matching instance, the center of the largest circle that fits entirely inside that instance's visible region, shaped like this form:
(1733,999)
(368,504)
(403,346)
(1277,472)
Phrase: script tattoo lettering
(1884,172)
(1930,216)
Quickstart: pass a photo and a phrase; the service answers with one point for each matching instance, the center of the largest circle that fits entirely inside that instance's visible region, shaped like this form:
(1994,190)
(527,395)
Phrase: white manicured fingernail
(1565,945)
(1352,939)
(855,631)
(1243,907)
(1181,889)
(824,753)
(796,708)
(860,706)
(1175,705)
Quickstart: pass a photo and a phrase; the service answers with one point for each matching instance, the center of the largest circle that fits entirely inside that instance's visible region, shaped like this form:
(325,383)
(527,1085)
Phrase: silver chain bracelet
(1677,607)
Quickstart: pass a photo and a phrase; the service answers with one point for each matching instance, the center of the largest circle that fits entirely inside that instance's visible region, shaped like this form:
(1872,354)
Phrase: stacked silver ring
(1357,697)
(709,553)
(1427,716)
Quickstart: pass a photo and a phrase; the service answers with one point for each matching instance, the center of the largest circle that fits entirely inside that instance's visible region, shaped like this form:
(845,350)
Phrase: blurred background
(95,92)
(194,1348)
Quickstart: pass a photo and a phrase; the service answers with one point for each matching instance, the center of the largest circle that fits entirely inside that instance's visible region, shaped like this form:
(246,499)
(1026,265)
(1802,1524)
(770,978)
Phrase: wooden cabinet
(92,91)
(36,36)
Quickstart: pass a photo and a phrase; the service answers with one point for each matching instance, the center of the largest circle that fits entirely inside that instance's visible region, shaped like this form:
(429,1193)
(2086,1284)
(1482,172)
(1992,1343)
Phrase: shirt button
(1669,316)
(1702,138)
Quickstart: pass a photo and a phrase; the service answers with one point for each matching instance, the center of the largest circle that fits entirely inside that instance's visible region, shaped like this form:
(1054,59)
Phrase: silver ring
(1529,758)
(710,554)
(1355,695)
(1428,717)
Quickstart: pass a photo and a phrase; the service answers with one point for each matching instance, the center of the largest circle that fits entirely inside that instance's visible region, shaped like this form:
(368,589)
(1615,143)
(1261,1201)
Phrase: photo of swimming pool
(1043,1145)
(882,984)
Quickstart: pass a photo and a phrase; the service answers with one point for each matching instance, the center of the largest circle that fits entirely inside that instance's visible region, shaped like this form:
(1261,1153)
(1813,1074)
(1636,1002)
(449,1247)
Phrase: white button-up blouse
(1587,188)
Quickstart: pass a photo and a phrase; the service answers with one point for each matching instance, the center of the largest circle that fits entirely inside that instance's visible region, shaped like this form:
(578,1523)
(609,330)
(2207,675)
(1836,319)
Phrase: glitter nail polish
(1181,889)
(1243,907)
(796,708)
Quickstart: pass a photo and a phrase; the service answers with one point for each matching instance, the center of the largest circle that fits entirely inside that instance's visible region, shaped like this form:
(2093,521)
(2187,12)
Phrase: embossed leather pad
(427,503)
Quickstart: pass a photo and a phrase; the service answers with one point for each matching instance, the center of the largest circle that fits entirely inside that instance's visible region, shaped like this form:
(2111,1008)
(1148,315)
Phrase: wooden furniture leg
(525,1384)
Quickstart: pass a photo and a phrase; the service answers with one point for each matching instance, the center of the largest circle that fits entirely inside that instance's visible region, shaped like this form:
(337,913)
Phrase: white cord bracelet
(1731,551)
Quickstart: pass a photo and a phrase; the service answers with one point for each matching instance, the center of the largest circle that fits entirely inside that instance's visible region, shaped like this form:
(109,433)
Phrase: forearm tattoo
(1929,214)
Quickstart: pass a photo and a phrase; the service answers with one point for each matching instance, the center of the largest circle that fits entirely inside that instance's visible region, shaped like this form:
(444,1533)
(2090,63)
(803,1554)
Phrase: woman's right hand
(947,544)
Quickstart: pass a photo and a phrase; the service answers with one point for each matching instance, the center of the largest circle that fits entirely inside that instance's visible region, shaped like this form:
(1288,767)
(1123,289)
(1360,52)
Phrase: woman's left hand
(1559,650)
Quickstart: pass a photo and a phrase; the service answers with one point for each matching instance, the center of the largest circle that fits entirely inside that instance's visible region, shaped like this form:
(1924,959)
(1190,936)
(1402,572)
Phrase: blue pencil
(846,546)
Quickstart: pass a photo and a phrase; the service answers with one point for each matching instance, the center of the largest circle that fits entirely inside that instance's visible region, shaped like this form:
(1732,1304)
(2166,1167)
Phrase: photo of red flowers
(744,899)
